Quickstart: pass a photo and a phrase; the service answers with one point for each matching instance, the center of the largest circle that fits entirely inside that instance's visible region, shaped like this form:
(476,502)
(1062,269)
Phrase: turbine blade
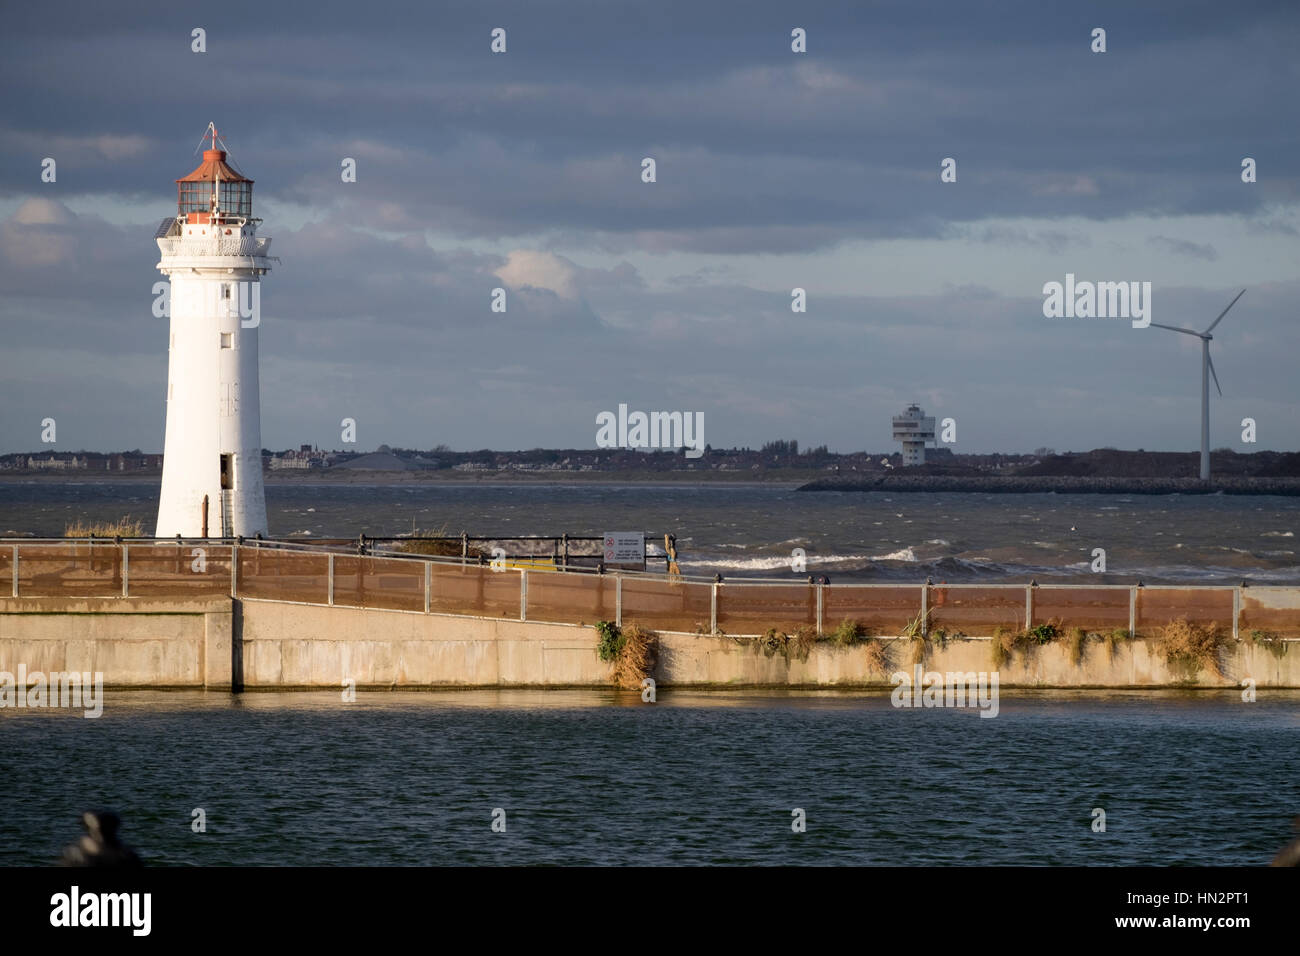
(1212,375)
(1224,312)
(1174,328)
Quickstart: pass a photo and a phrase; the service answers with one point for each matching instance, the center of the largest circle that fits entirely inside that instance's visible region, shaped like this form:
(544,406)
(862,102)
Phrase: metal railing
(563,551)
(348,574)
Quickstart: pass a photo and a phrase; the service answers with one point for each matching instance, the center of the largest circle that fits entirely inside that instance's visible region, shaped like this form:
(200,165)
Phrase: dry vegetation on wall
(799,642)
(1076,642)
(774,640)
(632,650)
(421,542)
(918,650)
(804,638)
(1116,638)
(877,656)
(127,527)
(1267,640)
(1006,642)
(853,633)
(914,631)
(1001,644)
(847,633)
(1187,647)
(1193,647)
(636,661)
(919,644)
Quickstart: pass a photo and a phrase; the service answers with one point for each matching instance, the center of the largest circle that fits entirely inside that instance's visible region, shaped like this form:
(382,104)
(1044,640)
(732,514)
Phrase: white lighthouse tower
(212,456)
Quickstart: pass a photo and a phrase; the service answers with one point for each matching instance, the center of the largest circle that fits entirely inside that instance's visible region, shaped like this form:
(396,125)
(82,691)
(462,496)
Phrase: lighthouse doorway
(227,486)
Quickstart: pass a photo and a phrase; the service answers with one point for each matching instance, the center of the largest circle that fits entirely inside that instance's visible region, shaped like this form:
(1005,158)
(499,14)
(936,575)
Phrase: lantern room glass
(236,198)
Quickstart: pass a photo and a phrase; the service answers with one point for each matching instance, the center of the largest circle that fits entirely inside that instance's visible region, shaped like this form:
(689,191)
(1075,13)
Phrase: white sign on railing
(624,547)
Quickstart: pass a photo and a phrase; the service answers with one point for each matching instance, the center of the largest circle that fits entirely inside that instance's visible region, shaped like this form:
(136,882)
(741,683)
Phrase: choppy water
(751,530)
(598,777)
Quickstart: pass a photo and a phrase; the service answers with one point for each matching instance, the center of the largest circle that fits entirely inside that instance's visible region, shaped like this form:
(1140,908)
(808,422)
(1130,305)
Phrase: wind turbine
(1207,369)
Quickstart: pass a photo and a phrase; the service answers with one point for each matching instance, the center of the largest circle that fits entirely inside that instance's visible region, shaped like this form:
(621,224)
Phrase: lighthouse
(214,262)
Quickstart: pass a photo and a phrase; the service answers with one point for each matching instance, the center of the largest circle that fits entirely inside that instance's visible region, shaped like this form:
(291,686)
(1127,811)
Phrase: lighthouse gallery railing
(244,246)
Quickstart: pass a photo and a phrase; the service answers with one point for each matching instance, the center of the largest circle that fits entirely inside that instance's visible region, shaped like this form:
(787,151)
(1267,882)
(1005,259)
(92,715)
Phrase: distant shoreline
(890,483)
(1038,484)
(443,477)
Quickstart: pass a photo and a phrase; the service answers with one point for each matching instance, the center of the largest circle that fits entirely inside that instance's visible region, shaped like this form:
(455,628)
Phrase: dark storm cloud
(758,150)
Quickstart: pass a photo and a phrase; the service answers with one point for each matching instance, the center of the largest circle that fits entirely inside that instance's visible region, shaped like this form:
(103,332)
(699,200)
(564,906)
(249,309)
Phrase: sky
(774,170)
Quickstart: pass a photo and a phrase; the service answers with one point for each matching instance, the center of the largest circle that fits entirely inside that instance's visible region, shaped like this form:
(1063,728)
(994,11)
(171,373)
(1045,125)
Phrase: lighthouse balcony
(234,246)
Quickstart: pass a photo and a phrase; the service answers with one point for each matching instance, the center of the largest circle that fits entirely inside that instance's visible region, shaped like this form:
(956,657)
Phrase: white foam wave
(905,554)
(781,563)
(743,564)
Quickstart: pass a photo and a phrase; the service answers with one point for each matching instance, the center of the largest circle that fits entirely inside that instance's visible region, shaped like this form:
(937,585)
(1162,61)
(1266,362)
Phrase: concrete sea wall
(133,642)
(222,643)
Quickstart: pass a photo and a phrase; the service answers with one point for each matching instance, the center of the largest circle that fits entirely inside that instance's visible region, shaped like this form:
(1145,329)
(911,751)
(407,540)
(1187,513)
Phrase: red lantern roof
(214,167)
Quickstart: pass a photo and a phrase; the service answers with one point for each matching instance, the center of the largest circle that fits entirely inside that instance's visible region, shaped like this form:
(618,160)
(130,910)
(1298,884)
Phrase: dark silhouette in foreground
(100,845)
(1289,855)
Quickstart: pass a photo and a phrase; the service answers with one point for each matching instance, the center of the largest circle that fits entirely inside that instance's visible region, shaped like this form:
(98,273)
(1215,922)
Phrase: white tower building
(913,429)
(212,461)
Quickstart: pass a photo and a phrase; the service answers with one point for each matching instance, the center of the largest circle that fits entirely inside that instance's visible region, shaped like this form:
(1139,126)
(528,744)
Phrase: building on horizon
(914,430)
(304,459)
(56,463)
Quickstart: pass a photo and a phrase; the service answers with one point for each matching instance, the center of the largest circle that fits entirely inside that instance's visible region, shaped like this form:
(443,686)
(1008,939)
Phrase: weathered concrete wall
(256,644)
(133,642)
(295,645)
(690,659)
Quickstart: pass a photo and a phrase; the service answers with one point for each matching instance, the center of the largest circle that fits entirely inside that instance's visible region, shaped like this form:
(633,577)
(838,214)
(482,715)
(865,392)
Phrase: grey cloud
(1052,240)
(1183,247)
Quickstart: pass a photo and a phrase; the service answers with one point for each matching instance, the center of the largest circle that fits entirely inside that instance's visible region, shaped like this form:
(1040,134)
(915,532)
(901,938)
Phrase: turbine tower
(212,454)
(1207,369)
